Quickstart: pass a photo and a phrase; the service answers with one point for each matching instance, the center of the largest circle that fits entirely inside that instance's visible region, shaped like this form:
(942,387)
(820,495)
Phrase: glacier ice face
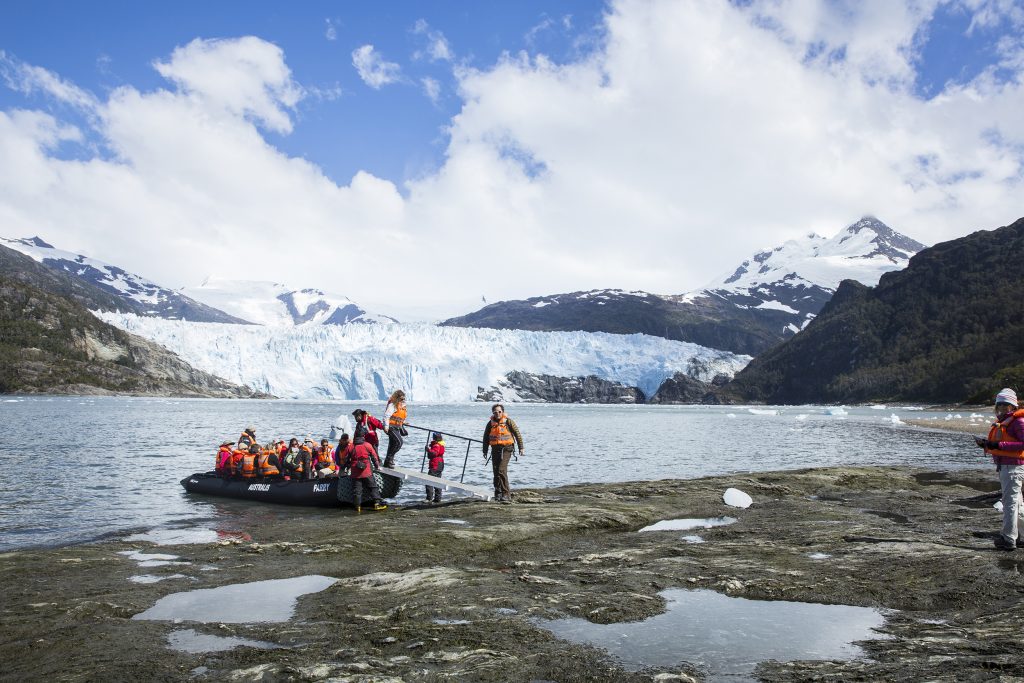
(432,363)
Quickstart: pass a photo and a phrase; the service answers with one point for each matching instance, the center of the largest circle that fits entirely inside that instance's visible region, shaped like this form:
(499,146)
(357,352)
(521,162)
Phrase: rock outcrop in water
(530,387)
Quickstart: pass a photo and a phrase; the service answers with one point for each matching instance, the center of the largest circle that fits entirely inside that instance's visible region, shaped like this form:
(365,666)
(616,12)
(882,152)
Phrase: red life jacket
(500,434)
(236,460)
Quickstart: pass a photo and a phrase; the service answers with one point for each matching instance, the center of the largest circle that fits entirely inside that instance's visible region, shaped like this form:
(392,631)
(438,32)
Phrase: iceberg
(736,498)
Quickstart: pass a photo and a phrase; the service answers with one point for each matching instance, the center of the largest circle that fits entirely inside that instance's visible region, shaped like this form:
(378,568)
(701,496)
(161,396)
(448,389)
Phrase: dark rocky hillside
(949,328)
(50,342)
(707,321)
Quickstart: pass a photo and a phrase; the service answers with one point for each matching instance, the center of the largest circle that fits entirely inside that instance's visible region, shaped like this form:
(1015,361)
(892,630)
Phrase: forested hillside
(948,328)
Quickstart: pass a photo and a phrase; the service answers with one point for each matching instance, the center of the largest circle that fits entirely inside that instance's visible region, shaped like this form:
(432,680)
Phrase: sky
(424,157)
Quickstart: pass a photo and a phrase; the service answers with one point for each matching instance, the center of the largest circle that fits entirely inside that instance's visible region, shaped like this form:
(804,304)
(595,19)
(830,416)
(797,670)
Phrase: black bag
(403,431)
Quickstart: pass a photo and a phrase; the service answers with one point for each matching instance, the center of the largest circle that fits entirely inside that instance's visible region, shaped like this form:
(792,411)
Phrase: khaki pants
(500,455)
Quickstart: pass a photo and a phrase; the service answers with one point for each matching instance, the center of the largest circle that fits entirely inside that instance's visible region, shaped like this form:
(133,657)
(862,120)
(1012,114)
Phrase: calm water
(77,469)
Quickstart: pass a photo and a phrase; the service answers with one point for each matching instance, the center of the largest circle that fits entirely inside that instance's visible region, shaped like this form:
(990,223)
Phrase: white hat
(1007,395)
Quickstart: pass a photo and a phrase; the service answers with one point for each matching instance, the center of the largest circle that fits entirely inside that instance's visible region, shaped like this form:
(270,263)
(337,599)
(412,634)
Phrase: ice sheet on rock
(819,556)
(692,539)
(152,559)
(688,523)
(736,498)
(152,578)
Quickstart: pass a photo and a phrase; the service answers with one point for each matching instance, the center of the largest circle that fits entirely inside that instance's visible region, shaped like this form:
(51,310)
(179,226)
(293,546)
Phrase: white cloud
(373,69)
(331,32)
(699,132)
(437,48)
(246,76)
(431,88)
(29,79)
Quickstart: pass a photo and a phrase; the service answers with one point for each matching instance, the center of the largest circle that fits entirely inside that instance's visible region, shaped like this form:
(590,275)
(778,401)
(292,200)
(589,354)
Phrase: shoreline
(459,590)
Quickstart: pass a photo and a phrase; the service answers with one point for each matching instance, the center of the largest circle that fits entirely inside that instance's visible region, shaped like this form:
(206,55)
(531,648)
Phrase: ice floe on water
(877,406)
(731,416)
(801,417)
(762,411)
(728,636)
(235,603)
(895,419)
(836,411)
(736,498)
(688,523)
(193,642)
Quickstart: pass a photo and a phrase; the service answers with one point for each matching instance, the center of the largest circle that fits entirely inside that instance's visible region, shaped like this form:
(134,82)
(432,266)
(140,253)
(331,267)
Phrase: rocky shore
(462,591)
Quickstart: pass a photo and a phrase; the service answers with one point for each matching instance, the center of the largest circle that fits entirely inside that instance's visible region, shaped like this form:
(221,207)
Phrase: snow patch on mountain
(139,294)
(432,363)
(275,305)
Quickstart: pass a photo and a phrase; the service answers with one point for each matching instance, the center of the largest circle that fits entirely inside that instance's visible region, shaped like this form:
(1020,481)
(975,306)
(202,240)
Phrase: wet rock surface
(422,600)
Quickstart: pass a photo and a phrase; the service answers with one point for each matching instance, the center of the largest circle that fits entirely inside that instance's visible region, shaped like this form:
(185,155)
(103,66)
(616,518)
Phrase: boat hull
(314,493)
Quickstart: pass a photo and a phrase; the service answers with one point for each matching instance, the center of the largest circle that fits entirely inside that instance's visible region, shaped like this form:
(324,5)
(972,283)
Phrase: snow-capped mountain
(275,305)
(800,276)
(364,362)
(138,294)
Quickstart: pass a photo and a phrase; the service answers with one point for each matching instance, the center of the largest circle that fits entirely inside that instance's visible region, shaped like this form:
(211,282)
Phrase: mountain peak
(887,242)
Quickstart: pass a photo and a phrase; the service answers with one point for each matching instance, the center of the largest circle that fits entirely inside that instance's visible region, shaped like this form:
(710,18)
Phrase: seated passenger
(247,438)
(268,465)
(222,465)
(339,454)
(296,460)
(236,461)
(248,468)
(323,461)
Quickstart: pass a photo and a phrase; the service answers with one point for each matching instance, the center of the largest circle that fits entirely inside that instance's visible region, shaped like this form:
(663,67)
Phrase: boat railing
(426,449)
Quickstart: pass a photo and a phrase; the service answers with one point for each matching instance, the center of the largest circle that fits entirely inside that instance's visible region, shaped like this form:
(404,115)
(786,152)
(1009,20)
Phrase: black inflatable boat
(315,492)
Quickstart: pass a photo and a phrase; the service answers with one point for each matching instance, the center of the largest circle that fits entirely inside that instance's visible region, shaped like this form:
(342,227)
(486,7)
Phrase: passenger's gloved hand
(992,445)
(980,442)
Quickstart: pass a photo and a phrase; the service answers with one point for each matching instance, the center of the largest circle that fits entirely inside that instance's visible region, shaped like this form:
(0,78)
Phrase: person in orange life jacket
(435,465)
(223,464)
(247,463)
(296,460)
(1005,443)
(394,418)
(500,433)
(268,464)
(236,460)
(323,460)
(361,459)
(247,438)
(369,423)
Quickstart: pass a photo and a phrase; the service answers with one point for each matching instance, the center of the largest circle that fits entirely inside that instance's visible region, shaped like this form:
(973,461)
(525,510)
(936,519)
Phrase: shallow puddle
(194,642)
(728,636)
(687,524)
(153,559)
(240,603)
(150,578)
(189,535)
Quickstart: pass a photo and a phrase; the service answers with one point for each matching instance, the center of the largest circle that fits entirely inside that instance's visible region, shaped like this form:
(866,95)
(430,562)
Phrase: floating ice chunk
(801,417)
(998,505)
(689,523)
(877,406)
(762,411)
(949,416)
(895,419)
(838,411)
(736,498)
(731,416)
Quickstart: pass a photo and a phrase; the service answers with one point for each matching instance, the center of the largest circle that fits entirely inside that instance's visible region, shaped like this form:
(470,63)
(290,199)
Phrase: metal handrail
(470,441)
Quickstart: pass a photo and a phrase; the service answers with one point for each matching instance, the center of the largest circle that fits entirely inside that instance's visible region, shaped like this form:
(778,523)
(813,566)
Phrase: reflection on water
(188,640)
(239,603)
(728,636)
(130,453)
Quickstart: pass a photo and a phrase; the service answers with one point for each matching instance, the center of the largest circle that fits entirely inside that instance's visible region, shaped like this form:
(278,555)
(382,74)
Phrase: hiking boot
(1020,541)
(389,463)
(1002,544)
(380,506)
(437,501)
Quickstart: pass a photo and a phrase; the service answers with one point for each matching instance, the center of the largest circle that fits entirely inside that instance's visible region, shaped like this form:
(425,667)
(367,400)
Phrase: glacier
(431,363)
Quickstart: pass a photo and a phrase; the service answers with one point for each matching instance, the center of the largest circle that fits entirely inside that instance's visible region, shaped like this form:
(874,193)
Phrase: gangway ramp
(437,482)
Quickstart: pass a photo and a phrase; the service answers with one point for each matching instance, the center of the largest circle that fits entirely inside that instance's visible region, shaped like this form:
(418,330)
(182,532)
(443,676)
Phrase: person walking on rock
(1005,443)
(500,433)
(361,459)
(394,418)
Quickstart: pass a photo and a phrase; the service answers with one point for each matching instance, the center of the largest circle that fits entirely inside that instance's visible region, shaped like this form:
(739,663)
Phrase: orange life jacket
(397,418)
(323,458)
(265,467)
(500,434)
(999,431)
(220,454)
(249,465)
(246,440)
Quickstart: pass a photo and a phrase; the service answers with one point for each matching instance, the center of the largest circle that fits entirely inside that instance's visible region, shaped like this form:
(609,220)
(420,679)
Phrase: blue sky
(500,149)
